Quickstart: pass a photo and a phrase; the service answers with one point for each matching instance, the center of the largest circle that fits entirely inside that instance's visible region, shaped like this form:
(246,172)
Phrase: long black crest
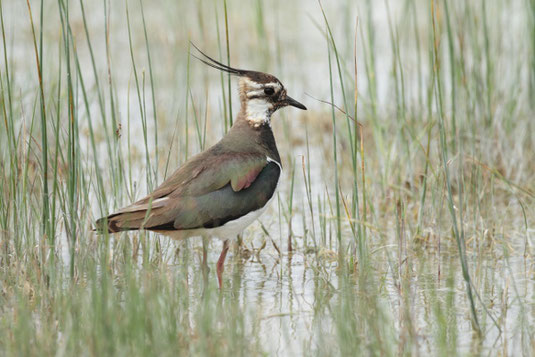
(216,64)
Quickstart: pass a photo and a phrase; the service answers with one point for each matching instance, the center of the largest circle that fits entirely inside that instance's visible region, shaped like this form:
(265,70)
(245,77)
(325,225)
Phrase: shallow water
(411,292)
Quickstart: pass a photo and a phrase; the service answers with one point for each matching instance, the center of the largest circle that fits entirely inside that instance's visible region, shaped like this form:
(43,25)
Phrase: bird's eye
(269,91)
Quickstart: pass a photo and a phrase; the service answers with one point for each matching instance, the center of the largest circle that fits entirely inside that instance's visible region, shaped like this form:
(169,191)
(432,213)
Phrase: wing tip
(107,224)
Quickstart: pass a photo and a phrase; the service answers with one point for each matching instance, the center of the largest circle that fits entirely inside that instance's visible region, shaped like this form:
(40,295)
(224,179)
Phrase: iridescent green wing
(200,191)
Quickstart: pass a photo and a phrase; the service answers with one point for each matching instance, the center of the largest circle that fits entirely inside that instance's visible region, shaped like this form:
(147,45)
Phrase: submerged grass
(407,232)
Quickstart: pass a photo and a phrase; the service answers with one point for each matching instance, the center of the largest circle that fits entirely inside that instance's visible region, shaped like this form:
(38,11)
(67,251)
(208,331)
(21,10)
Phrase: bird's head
(261,94)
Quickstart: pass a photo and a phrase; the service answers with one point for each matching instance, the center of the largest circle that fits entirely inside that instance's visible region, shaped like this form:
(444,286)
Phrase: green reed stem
(231,118)
(458,236)
(45,227)
(153,96)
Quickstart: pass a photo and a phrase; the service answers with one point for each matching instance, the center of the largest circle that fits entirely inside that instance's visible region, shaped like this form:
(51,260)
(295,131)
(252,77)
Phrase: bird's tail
(134,217)
(120,222)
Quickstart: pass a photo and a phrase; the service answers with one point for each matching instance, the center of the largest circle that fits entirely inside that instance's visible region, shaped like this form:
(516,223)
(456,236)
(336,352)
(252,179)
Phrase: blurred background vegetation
(403,223)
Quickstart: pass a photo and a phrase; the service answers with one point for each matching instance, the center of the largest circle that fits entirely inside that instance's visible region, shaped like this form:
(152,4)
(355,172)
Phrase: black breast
(266,140)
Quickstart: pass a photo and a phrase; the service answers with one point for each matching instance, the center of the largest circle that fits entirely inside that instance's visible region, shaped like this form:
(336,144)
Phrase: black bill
(294,103)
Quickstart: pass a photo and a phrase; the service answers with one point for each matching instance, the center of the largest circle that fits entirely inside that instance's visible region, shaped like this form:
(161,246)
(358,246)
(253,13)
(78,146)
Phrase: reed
(403,223)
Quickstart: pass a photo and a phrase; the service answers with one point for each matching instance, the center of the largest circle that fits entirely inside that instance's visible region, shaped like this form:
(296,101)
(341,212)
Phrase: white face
(259,109)
(259,105)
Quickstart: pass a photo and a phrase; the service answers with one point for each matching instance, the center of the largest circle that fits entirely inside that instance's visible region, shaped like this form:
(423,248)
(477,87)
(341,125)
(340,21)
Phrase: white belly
(232,228)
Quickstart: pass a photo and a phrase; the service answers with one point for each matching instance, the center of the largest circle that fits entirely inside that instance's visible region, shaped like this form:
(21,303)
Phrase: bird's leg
(205,268)
(221,262)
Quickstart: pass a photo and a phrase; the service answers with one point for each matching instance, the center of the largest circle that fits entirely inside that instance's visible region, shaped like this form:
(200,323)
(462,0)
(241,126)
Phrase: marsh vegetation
(404,221)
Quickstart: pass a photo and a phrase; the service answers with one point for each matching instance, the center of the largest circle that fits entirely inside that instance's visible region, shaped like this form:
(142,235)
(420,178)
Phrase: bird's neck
(252,135)
(256,112)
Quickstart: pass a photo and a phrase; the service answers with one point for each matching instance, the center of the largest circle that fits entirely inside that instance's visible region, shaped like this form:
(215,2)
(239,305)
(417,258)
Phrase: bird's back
(236,176)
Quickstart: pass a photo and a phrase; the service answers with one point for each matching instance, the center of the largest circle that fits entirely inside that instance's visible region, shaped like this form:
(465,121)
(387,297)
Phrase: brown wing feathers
(131,217)
(194,179)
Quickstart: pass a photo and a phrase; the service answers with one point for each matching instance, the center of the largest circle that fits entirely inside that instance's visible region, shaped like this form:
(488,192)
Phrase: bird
(218,192)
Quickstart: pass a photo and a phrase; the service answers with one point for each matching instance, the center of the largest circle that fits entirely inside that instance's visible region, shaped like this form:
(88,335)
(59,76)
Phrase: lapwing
(222,190)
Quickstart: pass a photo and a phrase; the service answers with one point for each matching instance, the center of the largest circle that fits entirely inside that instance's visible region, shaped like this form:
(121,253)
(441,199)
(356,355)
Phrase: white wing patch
(275,161)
